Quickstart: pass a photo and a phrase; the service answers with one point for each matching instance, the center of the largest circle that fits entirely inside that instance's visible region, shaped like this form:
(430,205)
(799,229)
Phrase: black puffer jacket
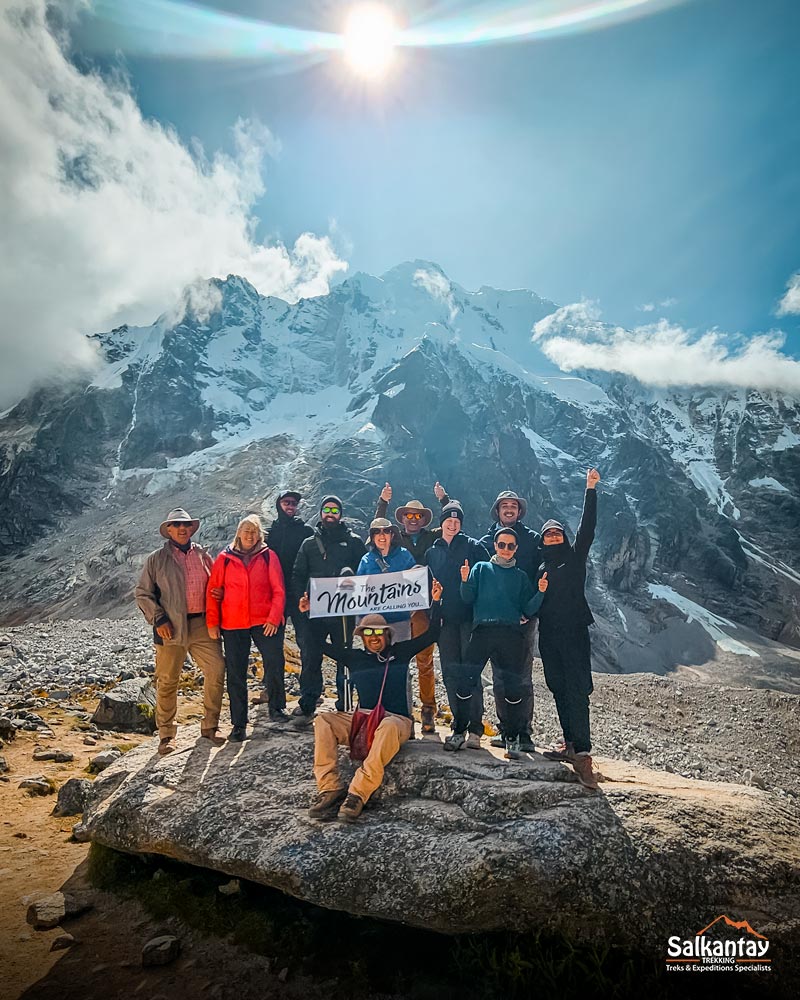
(565,605)
(445,562)
(284,538)
(326,553)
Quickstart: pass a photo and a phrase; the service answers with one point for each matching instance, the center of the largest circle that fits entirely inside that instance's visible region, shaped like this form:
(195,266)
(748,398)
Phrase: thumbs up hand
(543,582)
(465,572)
(386,493)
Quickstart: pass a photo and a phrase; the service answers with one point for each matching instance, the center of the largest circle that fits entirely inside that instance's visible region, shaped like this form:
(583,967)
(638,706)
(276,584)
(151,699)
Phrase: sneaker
(582,763)
(166,745)
(560,750)
(237,735)
(278,715)
(498,741)
(455,741)
(428,725)
(211,736)
(512,748)
(473,742)
(326,805)
(526,744)
(351,808)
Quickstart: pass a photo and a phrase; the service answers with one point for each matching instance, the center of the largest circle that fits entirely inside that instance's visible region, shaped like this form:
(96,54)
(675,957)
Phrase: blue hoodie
(373,563)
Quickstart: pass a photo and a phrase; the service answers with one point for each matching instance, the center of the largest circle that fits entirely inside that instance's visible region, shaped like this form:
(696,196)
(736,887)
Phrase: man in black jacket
(380,658)
(444,559)
(564,620)
(284,538)
(508,511)
(330,549)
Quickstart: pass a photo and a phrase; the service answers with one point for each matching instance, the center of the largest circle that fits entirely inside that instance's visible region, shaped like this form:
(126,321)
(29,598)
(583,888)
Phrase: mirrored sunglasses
(372,631)
(506,545)
(413,517)
(330,510)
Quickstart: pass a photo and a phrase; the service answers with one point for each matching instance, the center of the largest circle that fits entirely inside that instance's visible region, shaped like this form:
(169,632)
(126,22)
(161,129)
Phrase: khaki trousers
(207,655)
(332,730)
(427,679)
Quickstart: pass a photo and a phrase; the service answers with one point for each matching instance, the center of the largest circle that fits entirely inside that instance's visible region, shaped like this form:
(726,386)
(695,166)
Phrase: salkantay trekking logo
(746,952)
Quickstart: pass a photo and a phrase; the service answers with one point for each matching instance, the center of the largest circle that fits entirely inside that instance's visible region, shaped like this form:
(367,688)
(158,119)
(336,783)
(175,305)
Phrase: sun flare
(369,39)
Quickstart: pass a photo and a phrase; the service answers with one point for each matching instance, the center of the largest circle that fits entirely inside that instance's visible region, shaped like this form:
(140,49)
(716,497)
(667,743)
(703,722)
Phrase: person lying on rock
(382,663)
(564,621)
(503,602)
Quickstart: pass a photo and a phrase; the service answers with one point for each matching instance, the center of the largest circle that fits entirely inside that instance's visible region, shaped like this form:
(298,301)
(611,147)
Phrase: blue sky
(649,161)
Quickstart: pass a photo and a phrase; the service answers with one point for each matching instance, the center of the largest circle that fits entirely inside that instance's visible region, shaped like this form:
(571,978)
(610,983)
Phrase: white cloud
(648,307)
(664,354)
(108,216)
(438,287)
(789,305)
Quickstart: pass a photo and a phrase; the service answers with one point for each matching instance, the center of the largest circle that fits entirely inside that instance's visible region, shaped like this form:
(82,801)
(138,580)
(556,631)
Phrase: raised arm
(585,534)
(383,501)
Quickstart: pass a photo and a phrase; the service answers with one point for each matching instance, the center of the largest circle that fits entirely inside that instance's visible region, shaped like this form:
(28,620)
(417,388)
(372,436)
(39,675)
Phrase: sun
(369,35)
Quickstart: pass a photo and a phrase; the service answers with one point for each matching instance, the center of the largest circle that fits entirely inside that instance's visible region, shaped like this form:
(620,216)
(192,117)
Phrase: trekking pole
(347,696)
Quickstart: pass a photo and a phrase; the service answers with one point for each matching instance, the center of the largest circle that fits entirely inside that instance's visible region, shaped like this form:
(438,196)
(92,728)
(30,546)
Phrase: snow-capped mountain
(409,378)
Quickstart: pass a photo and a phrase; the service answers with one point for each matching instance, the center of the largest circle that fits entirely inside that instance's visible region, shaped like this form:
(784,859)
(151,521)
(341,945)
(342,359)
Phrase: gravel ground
(677,723)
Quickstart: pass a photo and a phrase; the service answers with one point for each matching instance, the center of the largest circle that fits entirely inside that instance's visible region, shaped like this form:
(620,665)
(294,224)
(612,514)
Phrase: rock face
(129,707)
(458,842)
(73,797)
(410,378)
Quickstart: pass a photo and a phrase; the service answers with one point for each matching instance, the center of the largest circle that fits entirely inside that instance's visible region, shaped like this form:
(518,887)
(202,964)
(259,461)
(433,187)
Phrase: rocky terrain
(409,378)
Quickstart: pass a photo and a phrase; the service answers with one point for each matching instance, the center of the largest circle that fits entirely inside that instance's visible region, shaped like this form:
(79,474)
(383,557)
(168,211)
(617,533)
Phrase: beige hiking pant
(207,655)
(427,678)
(332,729)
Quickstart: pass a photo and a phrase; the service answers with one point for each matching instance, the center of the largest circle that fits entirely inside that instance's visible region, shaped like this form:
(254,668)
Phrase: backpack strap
(320,546)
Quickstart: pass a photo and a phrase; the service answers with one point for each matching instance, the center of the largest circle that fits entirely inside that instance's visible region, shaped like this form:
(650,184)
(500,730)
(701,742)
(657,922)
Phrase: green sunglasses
(330,510)
(372,631)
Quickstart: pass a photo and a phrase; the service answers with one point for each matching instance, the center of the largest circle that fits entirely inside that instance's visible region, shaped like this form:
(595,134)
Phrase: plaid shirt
(196,576)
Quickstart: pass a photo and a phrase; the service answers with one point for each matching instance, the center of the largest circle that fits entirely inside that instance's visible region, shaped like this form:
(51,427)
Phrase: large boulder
(468,841)
(129,707)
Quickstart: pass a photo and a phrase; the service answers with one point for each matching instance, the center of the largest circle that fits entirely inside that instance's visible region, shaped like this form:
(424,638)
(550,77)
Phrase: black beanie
(452,509)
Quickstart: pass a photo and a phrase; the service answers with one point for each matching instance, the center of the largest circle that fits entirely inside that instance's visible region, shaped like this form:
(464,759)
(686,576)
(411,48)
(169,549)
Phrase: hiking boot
(473,742)
(300,720)
(211,736)
(582,764)
(455,741)
(260,699)
(326,805)
(237,735)
(526,744)
(351,808)
(498,741)
(560,750)
(428,725)
(278,715)
(166,745)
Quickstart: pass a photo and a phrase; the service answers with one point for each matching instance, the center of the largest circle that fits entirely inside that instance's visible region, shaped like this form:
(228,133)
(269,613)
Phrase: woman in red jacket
(250,579)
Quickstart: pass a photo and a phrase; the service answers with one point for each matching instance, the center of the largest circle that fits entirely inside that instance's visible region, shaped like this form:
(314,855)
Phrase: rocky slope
(409,378)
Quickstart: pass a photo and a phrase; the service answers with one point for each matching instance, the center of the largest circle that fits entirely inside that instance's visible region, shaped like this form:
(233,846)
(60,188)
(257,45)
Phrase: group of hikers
(486,597)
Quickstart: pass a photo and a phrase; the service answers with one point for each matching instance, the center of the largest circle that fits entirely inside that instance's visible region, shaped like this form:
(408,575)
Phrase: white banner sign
(365,595)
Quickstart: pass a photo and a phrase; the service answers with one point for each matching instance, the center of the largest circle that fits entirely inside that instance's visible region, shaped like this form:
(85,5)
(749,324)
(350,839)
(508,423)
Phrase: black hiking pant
(505,646)
(453,643)
(315,632)
(567,663)
(236,643)
(498,689)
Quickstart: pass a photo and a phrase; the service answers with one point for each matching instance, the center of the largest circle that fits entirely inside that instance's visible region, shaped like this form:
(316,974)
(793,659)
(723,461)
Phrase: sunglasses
(373,631)
(413,517)
(179,524)
(506,545)
(330,510)
(289,503)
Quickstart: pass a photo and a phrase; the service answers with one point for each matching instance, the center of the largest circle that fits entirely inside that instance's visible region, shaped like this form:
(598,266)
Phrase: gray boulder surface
(467,842)
(73,797)
(49,911)
(129,707)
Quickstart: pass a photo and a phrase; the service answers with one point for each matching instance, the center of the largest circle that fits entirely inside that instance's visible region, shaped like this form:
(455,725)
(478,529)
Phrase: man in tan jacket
(171,594)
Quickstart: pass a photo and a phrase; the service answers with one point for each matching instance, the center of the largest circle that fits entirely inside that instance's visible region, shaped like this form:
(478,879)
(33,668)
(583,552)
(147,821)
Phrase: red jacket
(253,594)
